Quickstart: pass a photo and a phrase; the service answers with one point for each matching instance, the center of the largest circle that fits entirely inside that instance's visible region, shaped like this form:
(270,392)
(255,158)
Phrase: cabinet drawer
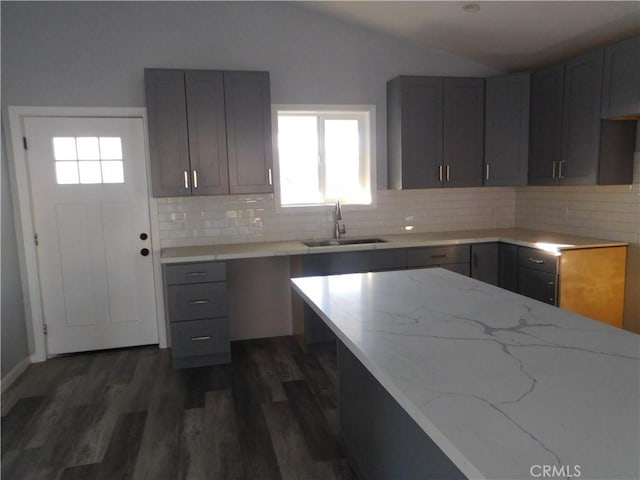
(194,273)
(434,256)
(200,337)
(538,285)
(191,302)
(537,260)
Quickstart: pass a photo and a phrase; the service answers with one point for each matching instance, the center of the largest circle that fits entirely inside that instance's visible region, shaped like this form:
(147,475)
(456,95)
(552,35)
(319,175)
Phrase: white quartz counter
(517,236)
(503,384)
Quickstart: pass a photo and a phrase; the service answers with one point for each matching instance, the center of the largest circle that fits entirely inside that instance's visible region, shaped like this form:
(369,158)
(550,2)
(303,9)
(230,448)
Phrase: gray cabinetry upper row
(621,80)
(506,145)
(435,131)
(569,144)
(209,132)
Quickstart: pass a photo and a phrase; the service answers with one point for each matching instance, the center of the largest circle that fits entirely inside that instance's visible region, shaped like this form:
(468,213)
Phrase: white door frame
(22,206)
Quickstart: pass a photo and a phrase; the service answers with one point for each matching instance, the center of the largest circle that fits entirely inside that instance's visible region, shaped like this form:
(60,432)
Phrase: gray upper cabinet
(463,132)
(506,148)
(621,80)
(248,108)
(209,132)
(568,143)
(435,131)
(415,126)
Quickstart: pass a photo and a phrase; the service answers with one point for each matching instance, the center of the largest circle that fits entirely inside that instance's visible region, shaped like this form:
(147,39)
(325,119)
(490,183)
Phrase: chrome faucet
(339,230)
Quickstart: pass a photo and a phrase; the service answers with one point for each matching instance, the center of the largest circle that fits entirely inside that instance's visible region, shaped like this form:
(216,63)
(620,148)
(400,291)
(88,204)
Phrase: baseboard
(14,374)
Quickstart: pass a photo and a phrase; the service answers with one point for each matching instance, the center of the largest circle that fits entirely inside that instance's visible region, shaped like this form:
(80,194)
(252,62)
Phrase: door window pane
(112,172)
(110,148)
(90,172)
(88,148)
(67,173)
(64,148)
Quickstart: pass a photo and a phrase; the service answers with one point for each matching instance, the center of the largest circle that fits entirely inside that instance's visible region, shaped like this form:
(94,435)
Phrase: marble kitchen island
(497,385)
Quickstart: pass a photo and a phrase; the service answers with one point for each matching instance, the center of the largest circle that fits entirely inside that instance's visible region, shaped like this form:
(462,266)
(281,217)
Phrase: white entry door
(91,215)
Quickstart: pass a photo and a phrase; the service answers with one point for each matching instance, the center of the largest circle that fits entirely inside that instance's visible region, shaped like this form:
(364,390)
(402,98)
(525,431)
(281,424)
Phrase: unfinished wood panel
(592,283)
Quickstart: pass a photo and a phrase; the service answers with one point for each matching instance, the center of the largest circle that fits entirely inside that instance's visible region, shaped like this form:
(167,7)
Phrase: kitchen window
(325,154)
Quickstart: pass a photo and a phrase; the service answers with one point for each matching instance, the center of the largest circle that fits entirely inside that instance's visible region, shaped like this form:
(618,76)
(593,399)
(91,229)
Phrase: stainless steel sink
(342,241)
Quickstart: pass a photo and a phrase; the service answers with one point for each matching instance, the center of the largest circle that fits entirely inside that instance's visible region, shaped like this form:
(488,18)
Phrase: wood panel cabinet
(506,149)
(197,310)
(435,132)
(209,132)
(621,81)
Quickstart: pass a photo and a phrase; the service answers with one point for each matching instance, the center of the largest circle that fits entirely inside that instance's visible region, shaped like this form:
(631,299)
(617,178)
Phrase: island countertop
(518,236)
(500,382)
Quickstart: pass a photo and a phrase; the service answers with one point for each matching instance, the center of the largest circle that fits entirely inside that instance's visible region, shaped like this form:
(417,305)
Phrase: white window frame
(368,142)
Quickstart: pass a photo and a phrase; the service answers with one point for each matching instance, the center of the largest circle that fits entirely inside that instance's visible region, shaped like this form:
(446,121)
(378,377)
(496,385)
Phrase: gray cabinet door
(581,120)
(415,133)
(207,132)
(545,130)
(168,137)
(506,149)
(508,266)
(463,131)
(621,82)
(248,113)
(484,262)
(538,285)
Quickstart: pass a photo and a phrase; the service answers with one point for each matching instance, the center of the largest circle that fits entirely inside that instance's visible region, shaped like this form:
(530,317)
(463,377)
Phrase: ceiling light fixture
(471,7)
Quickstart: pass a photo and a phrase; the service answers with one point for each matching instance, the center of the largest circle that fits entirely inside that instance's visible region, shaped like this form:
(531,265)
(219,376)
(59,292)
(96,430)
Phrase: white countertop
(500,382)
(517,236)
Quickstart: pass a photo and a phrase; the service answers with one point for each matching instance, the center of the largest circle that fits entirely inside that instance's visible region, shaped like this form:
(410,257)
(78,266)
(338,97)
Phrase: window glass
(88,160)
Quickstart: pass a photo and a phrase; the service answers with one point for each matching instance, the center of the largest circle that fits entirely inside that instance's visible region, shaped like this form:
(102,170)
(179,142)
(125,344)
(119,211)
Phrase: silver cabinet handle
(197,274)
(201,338)
(487,169)
(186,179)
(440,172)
(560,168)
(270,176)
(448,179)
(553,171)
(195,178)
(199,302)
(535,260)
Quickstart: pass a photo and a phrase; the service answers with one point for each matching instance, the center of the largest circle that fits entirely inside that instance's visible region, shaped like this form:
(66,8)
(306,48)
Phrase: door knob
(143,236)
(144,252)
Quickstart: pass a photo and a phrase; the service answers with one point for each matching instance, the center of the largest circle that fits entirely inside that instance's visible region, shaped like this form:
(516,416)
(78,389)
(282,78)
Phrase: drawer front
(200,337)
(537,260)
(184,273)
(539,285)
(434,256)
(191,302)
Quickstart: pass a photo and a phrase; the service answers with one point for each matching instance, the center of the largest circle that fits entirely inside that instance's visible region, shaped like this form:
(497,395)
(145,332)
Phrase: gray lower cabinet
(621,80)
(538,275)
(506,146)
(484,262)
(508,266)
(197,310)
(435,129)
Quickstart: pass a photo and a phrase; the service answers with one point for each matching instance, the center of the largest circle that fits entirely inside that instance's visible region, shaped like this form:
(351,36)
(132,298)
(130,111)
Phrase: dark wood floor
(127,414)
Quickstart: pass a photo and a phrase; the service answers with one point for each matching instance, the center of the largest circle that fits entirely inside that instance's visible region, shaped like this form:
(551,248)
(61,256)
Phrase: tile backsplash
(255,218)
(609,212)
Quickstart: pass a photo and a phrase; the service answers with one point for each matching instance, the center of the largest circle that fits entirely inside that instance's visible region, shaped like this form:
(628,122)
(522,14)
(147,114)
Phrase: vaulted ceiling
(507,35)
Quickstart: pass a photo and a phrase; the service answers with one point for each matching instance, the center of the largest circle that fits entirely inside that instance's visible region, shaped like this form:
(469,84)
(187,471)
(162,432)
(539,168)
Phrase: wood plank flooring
(126,414)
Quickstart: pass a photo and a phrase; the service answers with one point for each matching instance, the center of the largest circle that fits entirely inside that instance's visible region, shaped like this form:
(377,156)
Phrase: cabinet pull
(447,173)
(535,260)
(201,338)
(197,274)
(199,302)
(487,169)
(270,176)
(186,179)
(553,171)
(440,172)
(560,168)
(441,255)
(195,178)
